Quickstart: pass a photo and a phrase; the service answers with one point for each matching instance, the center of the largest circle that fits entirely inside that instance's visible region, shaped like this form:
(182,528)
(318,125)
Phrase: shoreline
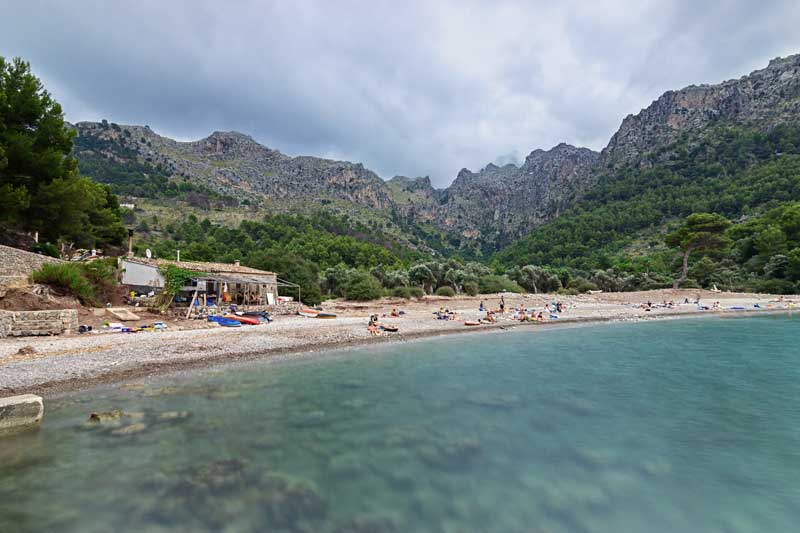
(311,349)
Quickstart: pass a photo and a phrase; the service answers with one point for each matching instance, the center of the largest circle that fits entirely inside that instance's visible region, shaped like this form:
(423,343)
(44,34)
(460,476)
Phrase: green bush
(774,286)
(46,248)
(91,283)
(568,292)
(445,291)
(408,292)
(492,284)
(102,276)
(471,288)
(582,285)
(362,287)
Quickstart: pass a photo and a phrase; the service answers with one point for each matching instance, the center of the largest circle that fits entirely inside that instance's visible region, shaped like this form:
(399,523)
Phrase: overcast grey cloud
(414,88)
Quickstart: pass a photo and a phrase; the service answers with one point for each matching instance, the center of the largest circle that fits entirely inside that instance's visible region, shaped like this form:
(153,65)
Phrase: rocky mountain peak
(764,97)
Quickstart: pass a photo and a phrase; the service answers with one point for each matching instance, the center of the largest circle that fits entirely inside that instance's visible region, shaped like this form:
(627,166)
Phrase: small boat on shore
(309,313)
(222,321)
(472,323)
(249,320)
(390,329)
(326,315)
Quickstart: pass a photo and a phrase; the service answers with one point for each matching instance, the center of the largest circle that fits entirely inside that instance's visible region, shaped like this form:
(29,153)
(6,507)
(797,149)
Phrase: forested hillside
(741,173)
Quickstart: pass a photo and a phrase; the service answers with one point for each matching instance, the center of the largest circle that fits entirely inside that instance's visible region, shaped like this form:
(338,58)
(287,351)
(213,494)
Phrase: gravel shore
(70,362)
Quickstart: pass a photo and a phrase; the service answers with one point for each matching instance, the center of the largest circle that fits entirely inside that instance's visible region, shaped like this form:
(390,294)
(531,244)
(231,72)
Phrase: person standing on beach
(502,305)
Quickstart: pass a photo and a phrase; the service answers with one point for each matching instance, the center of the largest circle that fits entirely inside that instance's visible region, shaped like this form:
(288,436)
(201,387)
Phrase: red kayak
(244,319)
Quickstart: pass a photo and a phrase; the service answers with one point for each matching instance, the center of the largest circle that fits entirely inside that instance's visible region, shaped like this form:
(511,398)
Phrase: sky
(404,87)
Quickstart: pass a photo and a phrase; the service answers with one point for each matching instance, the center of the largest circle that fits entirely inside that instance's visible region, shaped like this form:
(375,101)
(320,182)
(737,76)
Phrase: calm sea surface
(674,426)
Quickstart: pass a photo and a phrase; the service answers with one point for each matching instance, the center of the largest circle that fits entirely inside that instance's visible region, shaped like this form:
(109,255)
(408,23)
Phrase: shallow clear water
(689,425)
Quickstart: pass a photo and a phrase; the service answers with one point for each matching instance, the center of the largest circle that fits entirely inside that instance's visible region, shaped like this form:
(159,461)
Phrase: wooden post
(191,304)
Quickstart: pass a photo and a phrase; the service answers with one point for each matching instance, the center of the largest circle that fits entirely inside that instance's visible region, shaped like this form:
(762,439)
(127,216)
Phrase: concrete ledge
(20,412)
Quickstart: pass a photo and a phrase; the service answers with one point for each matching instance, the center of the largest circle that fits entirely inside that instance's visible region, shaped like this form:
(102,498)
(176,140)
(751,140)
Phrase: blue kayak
(222,321)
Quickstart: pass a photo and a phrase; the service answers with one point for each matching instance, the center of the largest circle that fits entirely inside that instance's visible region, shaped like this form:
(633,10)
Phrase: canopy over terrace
(244,289)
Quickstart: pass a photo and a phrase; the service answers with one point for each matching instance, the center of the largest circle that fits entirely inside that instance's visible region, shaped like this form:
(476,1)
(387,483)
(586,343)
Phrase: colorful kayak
(310,313)
(222,321)
(326,315)
(391,329)
(472,323)
(244,319)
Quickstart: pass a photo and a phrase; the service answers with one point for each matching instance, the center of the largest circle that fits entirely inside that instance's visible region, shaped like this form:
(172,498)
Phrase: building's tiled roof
(196,266)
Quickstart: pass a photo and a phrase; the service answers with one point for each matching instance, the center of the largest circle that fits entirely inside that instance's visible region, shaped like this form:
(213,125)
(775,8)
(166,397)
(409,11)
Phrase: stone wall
(15,262)
(27,323)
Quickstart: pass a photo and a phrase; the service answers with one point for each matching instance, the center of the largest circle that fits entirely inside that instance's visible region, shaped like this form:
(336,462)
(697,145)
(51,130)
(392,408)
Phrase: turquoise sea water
(686,425)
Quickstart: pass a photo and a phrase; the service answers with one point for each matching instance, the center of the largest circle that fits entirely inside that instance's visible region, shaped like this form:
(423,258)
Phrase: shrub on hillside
(408,292)
(492,284)
(91,283)
(471,288)
(582,285)
(362,286)
(445,291)
(46,248)
(774,286)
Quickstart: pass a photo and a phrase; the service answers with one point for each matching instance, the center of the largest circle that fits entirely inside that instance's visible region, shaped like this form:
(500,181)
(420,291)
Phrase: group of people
(446,314)
(523,314)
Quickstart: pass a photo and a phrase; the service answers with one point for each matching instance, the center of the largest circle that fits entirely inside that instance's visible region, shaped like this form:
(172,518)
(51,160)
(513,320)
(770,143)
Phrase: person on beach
(502,305)
(374,326)
(481,308)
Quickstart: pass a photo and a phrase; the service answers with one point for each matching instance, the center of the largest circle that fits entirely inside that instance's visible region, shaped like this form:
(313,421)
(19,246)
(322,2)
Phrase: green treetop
(40,188)
(699,232)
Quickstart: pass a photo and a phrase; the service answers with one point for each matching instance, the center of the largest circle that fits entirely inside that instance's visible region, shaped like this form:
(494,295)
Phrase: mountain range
(479,213)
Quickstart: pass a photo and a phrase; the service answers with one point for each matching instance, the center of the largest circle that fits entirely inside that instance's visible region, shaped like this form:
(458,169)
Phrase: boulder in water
(106,416)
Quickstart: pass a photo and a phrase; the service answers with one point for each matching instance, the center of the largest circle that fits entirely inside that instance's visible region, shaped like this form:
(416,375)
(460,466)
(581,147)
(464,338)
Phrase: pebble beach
(50,365)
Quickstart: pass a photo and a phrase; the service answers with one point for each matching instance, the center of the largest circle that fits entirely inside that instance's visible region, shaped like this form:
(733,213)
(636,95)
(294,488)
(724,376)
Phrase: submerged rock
(568,498)
(106,416)
(366,524)
(311,418)
(224,395)
(355,403)
(487,399)
(288,502)
(130,430)
(219,475)
(351,384)
(452,454)
(174,415)
(347,465)
(657,467)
